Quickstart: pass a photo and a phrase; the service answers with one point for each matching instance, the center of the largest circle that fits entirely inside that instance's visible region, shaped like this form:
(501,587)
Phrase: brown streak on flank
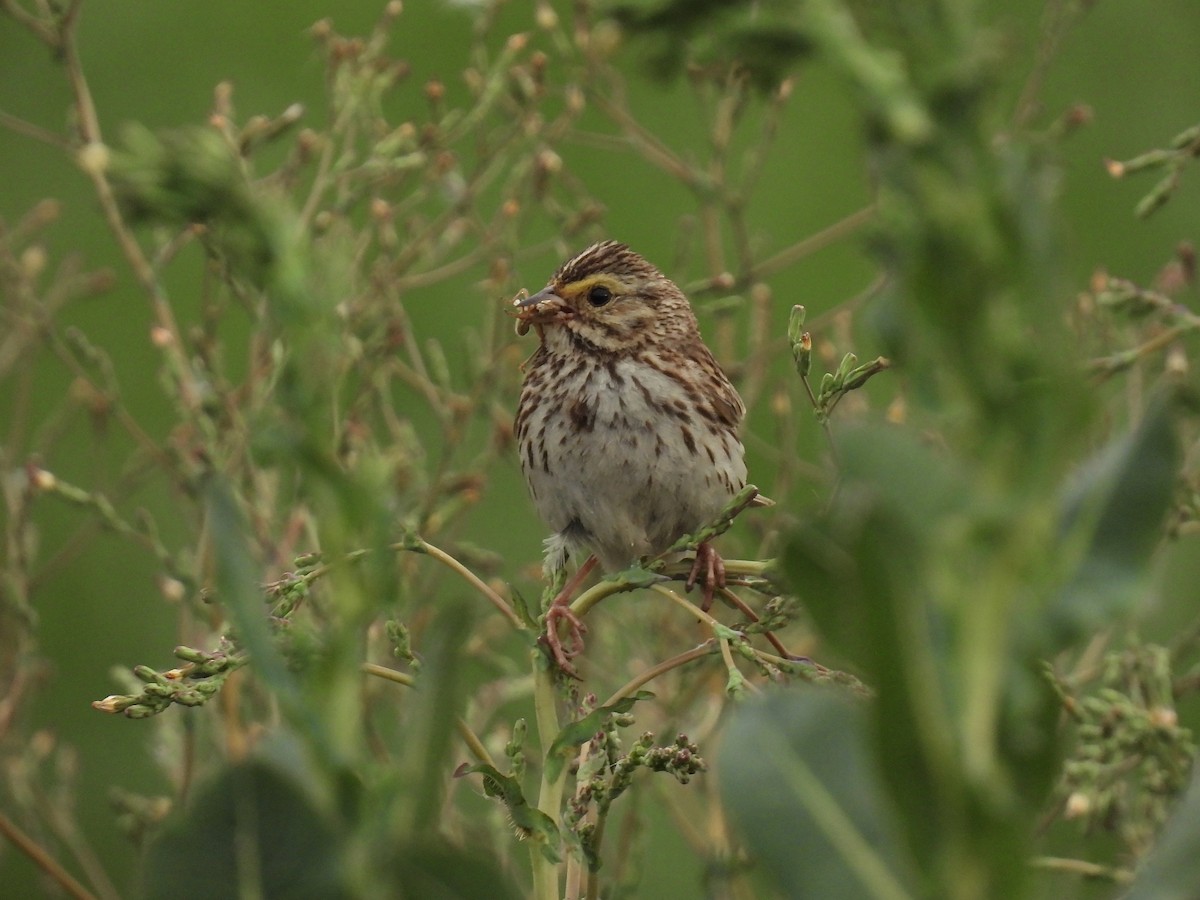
(524,410)
(708,413)
(714,403)
(670,369)
(688,440)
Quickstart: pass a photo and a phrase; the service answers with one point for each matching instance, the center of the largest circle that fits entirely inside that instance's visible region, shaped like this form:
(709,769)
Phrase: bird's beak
(540,308)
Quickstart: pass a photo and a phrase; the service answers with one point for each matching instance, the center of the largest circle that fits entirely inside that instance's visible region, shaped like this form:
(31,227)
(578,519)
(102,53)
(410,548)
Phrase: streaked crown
(609,298)
(608,257)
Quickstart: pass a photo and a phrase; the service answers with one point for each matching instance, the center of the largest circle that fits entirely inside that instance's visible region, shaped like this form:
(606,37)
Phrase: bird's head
(608,298)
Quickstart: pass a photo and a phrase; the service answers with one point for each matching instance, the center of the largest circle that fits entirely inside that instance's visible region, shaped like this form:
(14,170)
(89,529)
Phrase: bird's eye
(599,295)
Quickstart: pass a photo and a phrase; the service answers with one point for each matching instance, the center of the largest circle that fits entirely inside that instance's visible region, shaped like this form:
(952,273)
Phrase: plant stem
(545,873)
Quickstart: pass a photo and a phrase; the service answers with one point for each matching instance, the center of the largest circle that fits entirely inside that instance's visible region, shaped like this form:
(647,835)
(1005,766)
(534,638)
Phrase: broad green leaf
(797,775)
(893,495)
(862,578)
(252,832)
(903,473)
(877,578)
(1118,502)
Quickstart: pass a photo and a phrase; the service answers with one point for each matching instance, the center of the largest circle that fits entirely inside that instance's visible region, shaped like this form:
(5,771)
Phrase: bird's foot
(560,610)
(563,654)
(709,570)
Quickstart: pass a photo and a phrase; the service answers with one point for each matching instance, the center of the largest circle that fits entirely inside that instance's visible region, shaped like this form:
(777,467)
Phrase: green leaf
(880,583)
(529,821)
(251,832)
(861,566)
(521,607)
(865,572)
(762,40)
(1116,506)
(576,733)
(637,576)
(796,774)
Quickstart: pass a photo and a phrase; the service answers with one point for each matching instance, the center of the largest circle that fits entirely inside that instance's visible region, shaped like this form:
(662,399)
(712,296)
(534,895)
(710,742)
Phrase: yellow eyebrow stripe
(583,285)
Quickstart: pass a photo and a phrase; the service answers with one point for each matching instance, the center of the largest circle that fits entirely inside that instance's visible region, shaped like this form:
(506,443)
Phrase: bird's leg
(709,564)
(560,610)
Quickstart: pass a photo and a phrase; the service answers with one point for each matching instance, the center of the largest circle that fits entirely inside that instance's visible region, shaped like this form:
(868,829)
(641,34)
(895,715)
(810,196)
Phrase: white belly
(630,472)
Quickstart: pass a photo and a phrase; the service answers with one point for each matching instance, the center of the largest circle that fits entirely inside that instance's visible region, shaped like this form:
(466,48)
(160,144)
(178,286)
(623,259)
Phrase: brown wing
(723,399)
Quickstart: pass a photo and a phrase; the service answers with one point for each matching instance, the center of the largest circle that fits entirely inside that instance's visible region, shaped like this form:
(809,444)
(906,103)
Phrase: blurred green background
(1134,64)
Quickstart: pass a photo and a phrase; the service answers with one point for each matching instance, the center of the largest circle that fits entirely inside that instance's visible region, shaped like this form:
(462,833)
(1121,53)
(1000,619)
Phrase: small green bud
(796,323)
(1157,197)
(1186,139)
(845,367)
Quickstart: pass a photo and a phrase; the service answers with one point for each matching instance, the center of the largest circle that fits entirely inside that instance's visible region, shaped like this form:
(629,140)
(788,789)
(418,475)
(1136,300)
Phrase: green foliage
(1115,505)
(256,831)
(974,544)
(579,731)
(762,40)
(1131,757)
(529,822)
(946,574)
(1173,869)
(798,763)
(1184,148)
(251,832)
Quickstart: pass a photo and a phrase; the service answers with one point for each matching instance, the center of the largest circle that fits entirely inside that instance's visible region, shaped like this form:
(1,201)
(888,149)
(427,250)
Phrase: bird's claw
(575,628)
(708,564)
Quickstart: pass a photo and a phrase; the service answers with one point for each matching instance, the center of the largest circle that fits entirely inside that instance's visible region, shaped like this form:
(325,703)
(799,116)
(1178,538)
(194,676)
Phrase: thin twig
(43,860)
(831,234)
(43,31)
(37,132)
(646,676)
(96,170)
(469,737)
(470,577)
(1082,867)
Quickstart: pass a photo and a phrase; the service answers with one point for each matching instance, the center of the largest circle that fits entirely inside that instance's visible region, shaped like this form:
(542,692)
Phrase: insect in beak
(536,309)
